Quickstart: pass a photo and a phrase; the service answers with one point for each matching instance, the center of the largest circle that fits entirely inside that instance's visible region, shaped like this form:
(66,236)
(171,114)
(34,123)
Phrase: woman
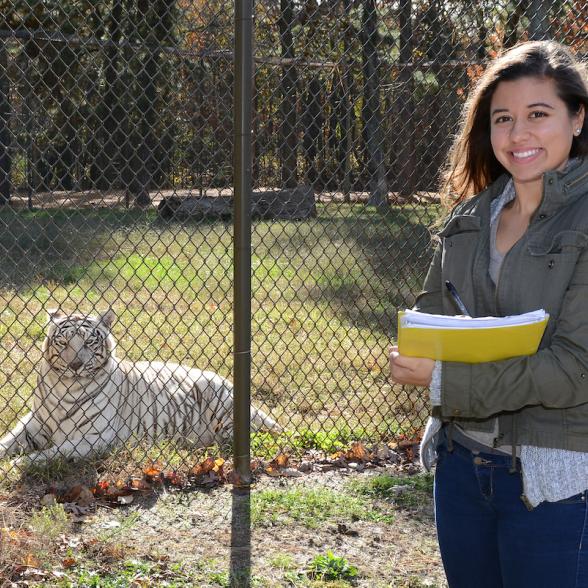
(511,437)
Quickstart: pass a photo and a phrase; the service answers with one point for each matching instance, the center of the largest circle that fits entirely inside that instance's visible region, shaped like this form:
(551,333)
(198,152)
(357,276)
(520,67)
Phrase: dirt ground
(194,528)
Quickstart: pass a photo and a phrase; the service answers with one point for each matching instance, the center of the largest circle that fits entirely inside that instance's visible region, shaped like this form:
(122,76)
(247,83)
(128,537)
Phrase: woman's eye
(538,114)
(501,119)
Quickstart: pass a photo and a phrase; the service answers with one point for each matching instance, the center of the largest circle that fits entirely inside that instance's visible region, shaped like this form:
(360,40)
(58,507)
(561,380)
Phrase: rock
(290,204)
(291,473)
(306,466)
(48,500)
(400,489)
(287,204)
(343,529)
(196,207)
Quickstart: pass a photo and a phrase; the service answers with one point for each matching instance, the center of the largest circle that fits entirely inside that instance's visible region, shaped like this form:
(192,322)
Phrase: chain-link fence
(116,179)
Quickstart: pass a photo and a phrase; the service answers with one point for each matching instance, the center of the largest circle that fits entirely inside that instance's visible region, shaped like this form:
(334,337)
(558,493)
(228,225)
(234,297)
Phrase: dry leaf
(30,561)
(85,498)
(208,465)
(152,471)
(358,452)
(280,461)
(173,478)
(140,484)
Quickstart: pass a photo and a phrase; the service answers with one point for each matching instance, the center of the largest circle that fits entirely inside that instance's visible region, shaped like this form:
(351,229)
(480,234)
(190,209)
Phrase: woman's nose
(519,130)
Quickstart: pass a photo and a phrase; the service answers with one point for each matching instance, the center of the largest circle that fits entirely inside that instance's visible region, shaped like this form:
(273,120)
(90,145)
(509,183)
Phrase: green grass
(325,293)
(311,507)
(133,573)
(404,491)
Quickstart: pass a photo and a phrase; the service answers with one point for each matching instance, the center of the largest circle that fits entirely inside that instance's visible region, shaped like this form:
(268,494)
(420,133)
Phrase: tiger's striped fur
(87,399)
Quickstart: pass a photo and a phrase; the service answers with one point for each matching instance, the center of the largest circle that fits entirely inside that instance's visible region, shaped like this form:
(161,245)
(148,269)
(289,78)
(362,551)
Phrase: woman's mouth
(525,155)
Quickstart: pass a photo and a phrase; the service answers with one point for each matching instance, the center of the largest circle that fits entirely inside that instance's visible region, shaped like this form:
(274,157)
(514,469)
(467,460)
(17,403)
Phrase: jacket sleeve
(555,377)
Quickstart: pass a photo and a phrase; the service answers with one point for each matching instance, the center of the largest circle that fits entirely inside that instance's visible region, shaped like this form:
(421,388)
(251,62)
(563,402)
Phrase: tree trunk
(371,106)
(538,14)
(158,17)
(512,22)
(5,159)
(111,111)
(405,158)
(348,101)
(312,124)
(288,142)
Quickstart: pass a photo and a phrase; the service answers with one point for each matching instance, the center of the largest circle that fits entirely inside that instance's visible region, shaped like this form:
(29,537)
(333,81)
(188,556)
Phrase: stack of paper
(470,340)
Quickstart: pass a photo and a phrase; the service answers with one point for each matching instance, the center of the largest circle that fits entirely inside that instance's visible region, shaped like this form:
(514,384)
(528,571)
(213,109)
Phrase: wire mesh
(116,180)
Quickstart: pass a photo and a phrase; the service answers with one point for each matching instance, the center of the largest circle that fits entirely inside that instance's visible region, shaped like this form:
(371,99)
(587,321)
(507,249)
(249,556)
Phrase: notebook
(470,340)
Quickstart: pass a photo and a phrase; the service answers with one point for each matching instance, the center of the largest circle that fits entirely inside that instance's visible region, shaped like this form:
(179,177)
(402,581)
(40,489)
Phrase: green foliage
(405,491)
(331,567)
(311,507)
(129,574)
(50,522)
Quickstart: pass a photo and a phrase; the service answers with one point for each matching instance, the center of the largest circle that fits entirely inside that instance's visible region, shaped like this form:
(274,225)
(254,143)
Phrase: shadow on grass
(55,245)
(392,252)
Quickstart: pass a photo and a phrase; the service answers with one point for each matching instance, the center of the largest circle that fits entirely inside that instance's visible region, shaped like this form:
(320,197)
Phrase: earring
(577,132)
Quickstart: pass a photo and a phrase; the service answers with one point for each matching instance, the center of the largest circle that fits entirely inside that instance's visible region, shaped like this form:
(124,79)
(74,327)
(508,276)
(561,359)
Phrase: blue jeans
(489,539)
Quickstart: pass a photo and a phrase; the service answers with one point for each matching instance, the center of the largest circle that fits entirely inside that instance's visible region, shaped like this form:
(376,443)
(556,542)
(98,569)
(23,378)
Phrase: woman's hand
(410,370)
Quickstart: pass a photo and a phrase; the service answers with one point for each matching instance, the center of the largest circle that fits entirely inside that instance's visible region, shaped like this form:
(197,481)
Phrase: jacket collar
(559,187)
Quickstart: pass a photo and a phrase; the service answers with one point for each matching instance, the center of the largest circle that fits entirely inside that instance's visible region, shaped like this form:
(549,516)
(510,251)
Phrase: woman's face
(531,129)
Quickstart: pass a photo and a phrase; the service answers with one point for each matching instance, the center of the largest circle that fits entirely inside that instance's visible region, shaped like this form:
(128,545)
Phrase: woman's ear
(579,119)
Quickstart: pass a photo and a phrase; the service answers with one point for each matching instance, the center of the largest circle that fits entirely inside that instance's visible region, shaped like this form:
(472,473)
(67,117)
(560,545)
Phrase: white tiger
(86,399)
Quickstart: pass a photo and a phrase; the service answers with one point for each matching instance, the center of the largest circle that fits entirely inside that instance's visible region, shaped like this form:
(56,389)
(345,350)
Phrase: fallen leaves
(81,501)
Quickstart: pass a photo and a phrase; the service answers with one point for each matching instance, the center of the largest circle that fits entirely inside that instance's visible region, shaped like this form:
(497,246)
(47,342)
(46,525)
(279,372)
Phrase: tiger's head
(78,346)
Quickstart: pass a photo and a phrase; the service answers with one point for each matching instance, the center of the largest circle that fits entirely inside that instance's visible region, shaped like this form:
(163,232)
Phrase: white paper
(424,320)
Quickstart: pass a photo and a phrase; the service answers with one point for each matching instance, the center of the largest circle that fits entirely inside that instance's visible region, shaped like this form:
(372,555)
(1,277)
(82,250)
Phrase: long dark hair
(471,165)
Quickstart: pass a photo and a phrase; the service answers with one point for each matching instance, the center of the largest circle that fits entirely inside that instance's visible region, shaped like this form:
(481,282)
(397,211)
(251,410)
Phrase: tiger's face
(78,346)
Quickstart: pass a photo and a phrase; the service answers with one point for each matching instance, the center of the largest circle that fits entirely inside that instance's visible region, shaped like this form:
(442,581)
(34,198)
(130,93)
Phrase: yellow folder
(470,345)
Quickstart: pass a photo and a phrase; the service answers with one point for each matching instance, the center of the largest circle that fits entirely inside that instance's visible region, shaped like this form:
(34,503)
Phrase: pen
(456,298)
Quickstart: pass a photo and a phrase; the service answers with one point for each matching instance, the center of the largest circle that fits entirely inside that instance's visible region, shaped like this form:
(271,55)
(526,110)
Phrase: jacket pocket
(564,242)
(459,238)
(551,267)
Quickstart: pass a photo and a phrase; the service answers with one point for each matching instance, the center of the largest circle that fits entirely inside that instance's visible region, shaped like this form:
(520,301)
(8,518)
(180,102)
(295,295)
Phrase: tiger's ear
(54,314)
(107,318)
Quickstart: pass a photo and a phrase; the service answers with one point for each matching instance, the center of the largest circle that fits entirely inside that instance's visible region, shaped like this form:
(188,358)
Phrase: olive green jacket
(542,399)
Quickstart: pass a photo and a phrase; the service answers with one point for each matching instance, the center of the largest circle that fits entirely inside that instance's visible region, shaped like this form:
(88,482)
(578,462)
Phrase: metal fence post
(242,234)
(240,565)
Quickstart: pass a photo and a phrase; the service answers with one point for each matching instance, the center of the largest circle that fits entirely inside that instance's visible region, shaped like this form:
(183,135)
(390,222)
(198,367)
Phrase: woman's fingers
(410,370)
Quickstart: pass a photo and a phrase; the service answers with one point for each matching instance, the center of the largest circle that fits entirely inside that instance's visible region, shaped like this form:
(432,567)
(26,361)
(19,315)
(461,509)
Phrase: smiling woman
(510,437)
(531,131)
(531,128)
